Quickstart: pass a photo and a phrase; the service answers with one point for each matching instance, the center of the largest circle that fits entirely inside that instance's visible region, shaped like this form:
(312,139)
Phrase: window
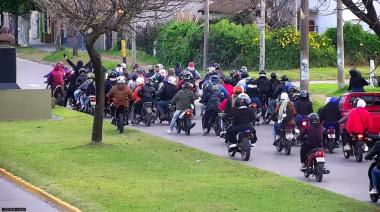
(368,100)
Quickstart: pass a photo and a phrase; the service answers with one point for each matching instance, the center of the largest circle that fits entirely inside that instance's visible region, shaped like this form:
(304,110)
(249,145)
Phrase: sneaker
(346,147)
(232,146)
(169,131)
(205,131)
(303,167)
(275,142)
(373,191)
(253,145)
(192,125)
(113,120)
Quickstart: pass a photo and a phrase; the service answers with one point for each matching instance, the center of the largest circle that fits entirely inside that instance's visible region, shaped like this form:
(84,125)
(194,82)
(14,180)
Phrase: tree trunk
(108,41)
(206,34)
(97,127)
(57,34)
(2,20)
(262,36)
(25,29)
(15,27)
(74,39)
(340,44)
(304,48)
(134,52)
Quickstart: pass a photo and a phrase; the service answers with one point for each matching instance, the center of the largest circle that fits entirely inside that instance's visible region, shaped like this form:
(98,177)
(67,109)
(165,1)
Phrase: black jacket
(274,83)
(279,89)
(375,150)
(330,113)
(303,107)
(91,89)
(314,136)
(241,117)
(264,85)
(167,92)
(357,82)
(108,85)
(148,93)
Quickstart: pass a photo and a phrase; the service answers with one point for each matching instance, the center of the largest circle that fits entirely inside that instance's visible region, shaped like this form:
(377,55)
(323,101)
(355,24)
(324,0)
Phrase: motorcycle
(243,146)
(121,116)
(356,147)
(374,197)
(215,123)
(168,115)
(90,107)
(285,140)
(257,113)
(183,122)
(59,95)
(147,113)
(330,141)
(298,131)
(315,164)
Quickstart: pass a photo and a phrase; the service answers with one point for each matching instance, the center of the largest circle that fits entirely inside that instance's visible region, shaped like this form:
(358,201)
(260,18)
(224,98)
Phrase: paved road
(30,75)
(12,196)
(347,176)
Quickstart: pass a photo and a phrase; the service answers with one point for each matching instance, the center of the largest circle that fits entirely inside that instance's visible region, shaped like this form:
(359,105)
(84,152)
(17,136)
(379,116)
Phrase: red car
(373,107)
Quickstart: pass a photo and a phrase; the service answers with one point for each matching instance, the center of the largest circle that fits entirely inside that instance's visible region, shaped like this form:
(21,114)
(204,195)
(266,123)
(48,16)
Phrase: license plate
(92,103)
(331,135)
(320,160)
(289,136)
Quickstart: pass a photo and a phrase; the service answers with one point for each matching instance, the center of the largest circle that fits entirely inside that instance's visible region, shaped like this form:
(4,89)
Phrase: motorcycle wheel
(374,197)
(279,146)
(319,172)
(188,126)
(59,99)
(306,173)
(148,119)
(217,126)
(120,123)
(346,154)
(330,145)
(358,153)
(178,126)
(245,149)
(288,147)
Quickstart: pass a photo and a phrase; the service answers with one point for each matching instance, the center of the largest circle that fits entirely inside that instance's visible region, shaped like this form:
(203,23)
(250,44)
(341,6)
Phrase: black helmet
(187,75)
(217,66)
(228,80)
(262,73)
(82,71)
(273,75)
(314,119)
(80,63)
(284,78)
(304,94)
(112,75)
(244,74)
(215,79)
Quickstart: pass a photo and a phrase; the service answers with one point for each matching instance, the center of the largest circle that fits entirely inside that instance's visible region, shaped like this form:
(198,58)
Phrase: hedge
(234,45)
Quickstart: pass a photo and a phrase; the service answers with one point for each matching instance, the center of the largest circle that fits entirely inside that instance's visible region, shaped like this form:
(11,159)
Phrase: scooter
(356,147)
(285,140)
(183,122)
(243,146)
(315,164)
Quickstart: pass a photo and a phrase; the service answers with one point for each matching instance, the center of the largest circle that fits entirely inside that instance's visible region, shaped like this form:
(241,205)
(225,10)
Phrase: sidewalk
(13,196)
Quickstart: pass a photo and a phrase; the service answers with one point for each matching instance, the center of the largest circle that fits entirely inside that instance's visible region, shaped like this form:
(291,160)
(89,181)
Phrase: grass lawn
(140,172)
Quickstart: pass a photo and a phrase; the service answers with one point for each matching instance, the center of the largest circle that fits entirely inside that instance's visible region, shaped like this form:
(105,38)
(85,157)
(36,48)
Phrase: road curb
(39,192)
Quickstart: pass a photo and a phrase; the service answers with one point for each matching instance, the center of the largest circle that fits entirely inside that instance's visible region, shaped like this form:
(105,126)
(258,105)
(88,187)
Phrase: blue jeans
(161,105)
(76,94)
(83,100)
(276,129)
(176,115)
(257,101)
(375,177)
(272,106)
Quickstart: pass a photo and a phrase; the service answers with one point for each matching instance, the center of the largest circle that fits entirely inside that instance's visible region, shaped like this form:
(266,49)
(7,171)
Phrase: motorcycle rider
(285,112)
(177,69)
(185,76)
(56,77)
(357,82)
(137,95)
(252,90)
(359,121)
(330,115)
(244,77)
(183,100)
(274,82)
(120,94)
(89,89)
(166,94)
(228,103)
(242,118)
(111,81)
(276,93)
(314,133)
(375,173)
(235,76)
(151,72)
(303,106)
(212,97)
(193,71)
(264,86)
(219,70)
(227,83)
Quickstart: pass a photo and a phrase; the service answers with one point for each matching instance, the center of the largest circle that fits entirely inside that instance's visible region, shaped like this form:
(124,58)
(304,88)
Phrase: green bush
(359,45)
(231,45)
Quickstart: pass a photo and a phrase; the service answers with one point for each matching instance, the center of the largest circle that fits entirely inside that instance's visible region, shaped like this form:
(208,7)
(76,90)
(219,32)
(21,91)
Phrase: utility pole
(206,33)
(133,39)
(295,14)
(262,36)
(340,44)
(304,45)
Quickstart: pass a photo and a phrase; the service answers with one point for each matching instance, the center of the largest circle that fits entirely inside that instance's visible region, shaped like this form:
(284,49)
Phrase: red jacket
(136,95)
(58,76)
(358,121)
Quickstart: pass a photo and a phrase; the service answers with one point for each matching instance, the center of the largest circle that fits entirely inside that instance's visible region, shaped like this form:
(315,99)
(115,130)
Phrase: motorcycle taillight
(319,154)
(254,105)
(92,99)
(331,131)
(360,137)
(304,123)
(188,113)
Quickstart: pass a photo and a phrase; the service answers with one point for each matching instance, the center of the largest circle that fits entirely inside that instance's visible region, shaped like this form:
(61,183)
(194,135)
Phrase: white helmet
(163,72)
(245,97)
(140,80)
(211,70)
(120,79)
(284,96)
(172,80)
(160,66)
(123,65)
(361,103)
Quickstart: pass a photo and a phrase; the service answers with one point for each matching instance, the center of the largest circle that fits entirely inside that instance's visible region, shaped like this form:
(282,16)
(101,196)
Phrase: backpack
(265,87)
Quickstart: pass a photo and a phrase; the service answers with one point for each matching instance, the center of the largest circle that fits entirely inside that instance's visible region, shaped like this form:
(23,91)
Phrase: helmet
(82,70)
(284,96)
(215,79)
(113,75)
(360,103)
(149,81)
(61,63)
(187,85)
(217,66)
(242,101)
(211,70)
(304,94)
(140,70)
(187,75)
(262,73)
(91,75)
(172,80)
(238,90)
(284,78)
(333,100)
(123,65)
(120,79)
(160,66)
(273,75)
(314,119)
(162,72)
(140,80)
(244,69)
(228,80)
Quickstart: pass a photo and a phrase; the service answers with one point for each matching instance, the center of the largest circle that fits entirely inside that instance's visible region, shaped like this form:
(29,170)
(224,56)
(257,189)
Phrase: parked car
(373,106)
